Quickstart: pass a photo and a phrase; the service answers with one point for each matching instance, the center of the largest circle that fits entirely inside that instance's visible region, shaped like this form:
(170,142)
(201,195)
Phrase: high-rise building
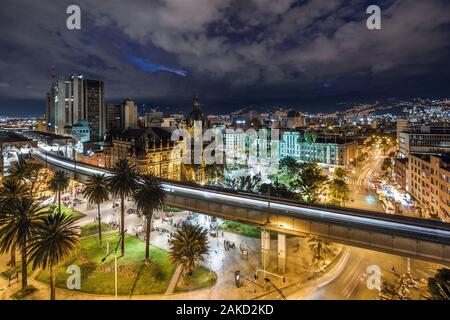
(424,139)
(72,101)
(114,117)
(429,182)
(130,115)
(94,104)
(121,117)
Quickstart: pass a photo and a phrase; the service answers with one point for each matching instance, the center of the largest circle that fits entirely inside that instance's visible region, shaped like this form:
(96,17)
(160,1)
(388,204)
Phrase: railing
(419,222)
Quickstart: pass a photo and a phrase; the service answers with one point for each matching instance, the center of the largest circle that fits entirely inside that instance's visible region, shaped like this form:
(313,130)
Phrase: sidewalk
(223,262)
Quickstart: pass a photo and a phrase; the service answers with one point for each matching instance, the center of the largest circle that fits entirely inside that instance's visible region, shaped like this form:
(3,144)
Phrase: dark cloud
(230,49)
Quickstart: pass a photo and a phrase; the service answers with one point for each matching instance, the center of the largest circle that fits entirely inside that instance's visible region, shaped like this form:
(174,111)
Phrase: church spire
(197,103)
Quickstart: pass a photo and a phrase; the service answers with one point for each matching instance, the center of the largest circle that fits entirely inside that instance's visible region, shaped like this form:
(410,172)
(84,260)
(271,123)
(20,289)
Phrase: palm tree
(28,173)
(149,195)
(96,190)
(121,184)
(18,225)
(58,183)
(319,248)
(188,247)
(10,190)
(19,170)
(55,239)
(439,285)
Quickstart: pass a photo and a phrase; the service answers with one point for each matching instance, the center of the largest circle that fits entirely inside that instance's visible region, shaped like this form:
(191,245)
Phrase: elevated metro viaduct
(405,236)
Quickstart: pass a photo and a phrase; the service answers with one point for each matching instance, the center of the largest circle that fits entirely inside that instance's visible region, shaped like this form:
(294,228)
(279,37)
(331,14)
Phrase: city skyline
(293,53)
(232,150)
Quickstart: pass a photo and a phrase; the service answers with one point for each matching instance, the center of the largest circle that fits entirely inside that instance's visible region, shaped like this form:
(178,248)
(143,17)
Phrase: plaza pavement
(223,262)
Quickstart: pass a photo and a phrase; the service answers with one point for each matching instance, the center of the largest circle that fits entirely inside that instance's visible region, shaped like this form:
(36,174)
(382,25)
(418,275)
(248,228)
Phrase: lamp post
(115,262)
(74,154)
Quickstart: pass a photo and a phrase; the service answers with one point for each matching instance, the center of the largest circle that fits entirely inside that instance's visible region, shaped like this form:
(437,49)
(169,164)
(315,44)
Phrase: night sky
(233,53)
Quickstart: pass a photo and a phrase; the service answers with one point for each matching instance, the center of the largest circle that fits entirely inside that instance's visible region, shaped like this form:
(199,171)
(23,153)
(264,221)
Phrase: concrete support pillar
(281,253)
(408,265)
(265,248)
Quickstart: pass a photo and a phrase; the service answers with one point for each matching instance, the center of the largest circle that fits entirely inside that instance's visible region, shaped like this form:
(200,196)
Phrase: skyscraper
(129,114)
(94,107)
(71,101)
(122,116)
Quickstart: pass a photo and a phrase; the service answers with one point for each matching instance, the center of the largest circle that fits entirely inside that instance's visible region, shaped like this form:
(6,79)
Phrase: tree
(439,285)
(276,190)
(288,171)
(309,181)
(213,173)
(122,183)
(339,191)
(11,189)
(387,166)
(244,183)
(289,165)
(340,173)
(149,195)
(56,237)
(188,247)
(18,225)
(96,190)
(29,174)
(319,248)
(19,170)
(58,183)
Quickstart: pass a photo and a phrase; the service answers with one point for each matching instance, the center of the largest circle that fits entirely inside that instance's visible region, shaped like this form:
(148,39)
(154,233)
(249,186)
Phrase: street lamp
(115,261)
(74,154)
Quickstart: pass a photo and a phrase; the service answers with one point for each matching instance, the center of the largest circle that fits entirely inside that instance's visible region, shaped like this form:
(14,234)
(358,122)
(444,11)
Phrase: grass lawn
(69,211)
(170,209)
(92,228)
(199,279)
(134,277)
(241,229)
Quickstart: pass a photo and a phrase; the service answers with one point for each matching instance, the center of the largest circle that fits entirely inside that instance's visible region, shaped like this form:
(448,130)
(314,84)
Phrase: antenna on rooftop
(52,73)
